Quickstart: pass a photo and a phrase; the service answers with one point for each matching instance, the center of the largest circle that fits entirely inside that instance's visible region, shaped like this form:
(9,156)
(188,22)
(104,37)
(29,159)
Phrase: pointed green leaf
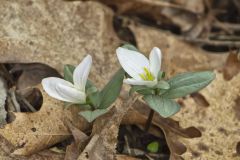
(68,72)
(162,85)
(187,83)
(141,89)
(92,115)
(165,107)
(111,91)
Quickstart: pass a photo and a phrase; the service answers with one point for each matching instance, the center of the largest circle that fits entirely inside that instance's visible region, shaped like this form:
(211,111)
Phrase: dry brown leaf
(232,66)
(181,13)
(28,77)
(6,149)
(32,132)
(178,56)
(76,147)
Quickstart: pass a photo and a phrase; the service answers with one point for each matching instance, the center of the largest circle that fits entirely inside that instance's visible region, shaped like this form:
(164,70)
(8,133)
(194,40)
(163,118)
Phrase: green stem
(149,120)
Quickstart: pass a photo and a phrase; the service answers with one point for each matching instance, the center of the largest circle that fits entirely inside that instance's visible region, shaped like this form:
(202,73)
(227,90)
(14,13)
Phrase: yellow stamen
(147,75)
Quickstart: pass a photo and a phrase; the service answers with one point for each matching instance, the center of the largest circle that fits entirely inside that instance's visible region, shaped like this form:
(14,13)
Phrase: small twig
(227,26)
(127,146)
(149,157)
(14,100)
(214,42)
(149,120)
(32,109)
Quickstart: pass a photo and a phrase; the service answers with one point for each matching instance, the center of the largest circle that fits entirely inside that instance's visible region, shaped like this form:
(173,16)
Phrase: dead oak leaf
(32,132)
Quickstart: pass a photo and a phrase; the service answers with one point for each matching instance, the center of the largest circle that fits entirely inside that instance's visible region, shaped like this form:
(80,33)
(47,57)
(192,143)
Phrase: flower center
(147,75)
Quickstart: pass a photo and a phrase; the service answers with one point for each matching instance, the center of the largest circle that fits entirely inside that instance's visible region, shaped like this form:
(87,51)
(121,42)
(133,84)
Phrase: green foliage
(187,83)
(68,72)
(112,90)
(92,115)
(153,147)
(165,107)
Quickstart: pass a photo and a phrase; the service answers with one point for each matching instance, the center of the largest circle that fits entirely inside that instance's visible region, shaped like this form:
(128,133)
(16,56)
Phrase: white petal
(52,86)
(71,94)
(155,61)
(80,74)
(132,81)
(132,62)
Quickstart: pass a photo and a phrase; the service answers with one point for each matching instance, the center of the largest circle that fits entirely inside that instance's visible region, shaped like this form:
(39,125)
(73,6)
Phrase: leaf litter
(190,137)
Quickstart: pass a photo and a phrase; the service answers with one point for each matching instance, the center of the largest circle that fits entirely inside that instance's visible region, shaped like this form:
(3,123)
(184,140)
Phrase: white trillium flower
(66,91)
(142,70)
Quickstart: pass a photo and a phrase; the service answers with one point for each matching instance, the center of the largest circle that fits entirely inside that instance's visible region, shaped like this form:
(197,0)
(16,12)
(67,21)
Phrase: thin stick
(14,100)
(149,120)
(28,105)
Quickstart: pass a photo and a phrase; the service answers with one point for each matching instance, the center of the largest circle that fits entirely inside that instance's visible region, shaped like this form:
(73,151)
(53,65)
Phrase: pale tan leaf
(32,132)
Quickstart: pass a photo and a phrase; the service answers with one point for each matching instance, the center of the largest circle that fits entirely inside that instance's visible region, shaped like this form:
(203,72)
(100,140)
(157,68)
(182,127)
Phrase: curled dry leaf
(232,66)
(32,132)
(178,56)
(28,77)
(182,13)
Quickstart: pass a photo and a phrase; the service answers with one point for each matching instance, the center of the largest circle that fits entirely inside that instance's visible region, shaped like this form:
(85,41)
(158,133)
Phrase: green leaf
(153,147)
(68,72)
(141,89)
(111,91)
(130,47)
(187,83)
(95,99)
(162,85)
(92,115)
(165,107)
